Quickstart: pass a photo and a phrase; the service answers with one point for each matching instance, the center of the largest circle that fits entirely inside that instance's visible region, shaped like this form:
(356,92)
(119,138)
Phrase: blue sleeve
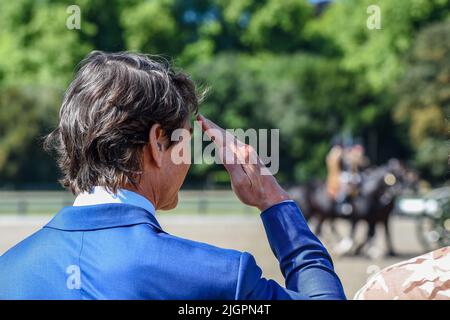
(304,262)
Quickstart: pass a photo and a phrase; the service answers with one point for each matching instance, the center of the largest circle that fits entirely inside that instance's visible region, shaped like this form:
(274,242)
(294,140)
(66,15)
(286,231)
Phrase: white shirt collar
(99,195)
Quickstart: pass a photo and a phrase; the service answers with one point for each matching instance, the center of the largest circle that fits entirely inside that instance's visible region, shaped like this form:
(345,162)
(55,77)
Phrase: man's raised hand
(250,179)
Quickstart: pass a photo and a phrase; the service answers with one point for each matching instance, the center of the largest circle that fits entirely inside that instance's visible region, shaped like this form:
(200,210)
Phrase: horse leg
(346,244)
(333,229)
(307,213)
(387,232)
(369,237)
(353,229)
(318,229)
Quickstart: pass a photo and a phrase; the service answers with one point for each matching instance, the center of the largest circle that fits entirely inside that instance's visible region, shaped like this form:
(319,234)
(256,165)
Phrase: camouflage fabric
(426,277)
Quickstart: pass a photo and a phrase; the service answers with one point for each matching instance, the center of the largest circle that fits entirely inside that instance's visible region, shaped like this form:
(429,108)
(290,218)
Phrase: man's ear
(157,142)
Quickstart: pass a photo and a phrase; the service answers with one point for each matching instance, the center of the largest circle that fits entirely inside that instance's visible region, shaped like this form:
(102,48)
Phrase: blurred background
(360,90)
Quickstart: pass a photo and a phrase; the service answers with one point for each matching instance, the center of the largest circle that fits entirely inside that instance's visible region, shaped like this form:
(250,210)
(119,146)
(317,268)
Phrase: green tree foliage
(377,59)
(377,55)
(285,92)
(277,26)
(424,98)
(35,45)
(268,63)
(27,114)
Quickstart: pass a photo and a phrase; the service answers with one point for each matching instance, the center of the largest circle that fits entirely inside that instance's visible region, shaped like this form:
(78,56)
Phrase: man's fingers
(235,155)
(216,133)
(220,136)
(224,140)
(225,143)
(207,124)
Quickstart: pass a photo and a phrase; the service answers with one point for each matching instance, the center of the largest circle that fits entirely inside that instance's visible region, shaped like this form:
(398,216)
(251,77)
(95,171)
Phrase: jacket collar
(101,216)
(100,195)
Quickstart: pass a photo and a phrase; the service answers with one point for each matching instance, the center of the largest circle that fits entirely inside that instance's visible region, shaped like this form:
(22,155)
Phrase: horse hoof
(374,253)
(344,247)
(391,254)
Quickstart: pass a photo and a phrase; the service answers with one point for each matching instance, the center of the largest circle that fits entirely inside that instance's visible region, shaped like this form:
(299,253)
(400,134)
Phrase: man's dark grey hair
(107,113)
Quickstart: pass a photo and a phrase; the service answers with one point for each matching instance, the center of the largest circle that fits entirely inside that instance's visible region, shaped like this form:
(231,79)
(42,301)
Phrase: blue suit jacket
(119,251)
